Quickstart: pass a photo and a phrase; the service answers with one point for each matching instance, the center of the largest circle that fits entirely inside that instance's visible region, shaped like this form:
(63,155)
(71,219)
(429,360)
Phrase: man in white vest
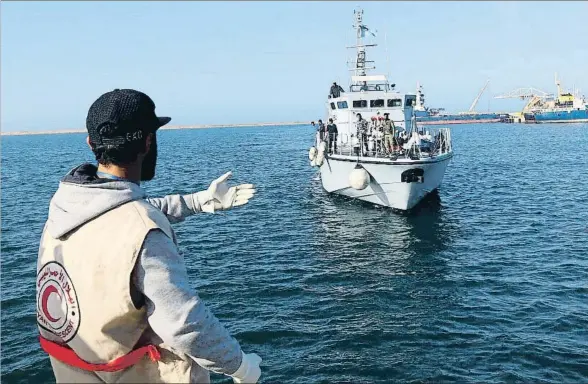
(114,303)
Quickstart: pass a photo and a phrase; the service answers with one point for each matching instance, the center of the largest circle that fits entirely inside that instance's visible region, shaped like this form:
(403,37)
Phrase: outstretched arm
(219,196)
(175,207)
(180,318)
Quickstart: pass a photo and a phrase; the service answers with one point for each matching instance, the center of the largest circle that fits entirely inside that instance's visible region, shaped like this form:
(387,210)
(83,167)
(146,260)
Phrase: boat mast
(420,102)
(361,59)
(558,84)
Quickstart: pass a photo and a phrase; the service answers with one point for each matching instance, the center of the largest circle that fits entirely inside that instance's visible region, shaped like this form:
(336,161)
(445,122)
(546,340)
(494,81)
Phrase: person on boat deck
(114,302)
(336,90)
(389,132)
(364,87)
(322,130)
(401,137)
(379,132)
(332,135)
(362,131)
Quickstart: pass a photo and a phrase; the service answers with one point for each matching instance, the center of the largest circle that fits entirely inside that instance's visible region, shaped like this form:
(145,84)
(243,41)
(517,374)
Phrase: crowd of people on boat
(378,137)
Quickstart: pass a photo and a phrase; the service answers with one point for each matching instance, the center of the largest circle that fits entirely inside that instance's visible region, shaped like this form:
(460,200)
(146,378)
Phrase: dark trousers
(332,140)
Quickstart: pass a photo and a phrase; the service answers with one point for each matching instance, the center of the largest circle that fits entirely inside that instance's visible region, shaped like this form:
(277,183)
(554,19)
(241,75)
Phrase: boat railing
(371,87)
(444,144)
(429,144)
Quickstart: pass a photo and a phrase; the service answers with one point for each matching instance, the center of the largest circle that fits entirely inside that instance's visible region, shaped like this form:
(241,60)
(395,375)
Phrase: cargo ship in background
(436,116)
(567,107)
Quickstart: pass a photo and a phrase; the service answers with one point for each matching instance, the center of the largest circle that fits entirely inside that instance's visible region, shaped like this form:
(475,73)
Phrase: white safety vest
(84,298)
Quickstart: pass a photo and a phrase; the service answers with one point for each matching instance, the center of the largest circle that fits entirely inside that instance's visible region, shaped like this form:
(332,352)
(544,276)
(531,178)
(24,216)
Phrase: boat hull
(563,116)
(386,187)
(471,121)
(466,118)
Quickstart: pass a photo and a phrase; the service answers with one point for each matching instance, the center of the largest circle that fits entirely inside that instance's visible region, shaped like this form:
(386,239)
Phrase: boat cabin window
(378,103)
(359,103)
(394,103)
(341,104)
(410,101)
(333,106)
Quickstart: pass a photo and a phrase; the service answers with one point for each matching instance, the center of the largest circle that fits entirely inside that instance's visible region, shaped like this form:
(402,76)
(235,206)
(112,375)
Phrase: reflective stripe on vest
(67,356)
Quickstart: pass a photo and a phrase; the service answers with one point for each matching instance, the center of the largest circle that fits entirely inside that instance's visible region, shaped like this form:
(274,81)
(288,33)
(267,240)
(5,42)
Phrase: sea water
(485,282)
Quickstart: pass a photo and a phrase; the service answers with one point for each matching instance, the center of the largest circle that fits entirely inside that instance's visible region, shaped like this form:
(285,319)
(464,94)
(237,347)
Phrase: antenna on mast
(387,56)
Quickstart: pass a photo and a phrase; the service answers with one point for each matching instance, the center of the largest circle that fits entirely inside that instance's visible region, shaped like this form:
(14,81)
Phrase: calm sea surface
(486,283)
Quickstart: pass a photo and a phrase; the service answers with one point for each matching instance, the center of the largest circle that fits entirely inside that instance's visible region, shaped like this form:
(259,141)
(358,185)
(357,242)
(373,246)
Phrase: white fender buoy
(320,157)
(312,153)
(359,179)
(320,154)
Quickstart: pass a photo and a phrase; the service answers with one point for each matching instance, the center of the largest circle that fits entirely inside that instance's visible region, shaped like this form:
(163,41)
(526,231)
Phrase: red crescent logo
(59,315)
(45,298)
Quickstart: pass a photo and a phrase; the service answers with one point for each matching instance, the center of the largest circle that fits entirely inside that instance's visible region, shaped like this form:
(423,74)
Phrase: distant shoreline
(170,127)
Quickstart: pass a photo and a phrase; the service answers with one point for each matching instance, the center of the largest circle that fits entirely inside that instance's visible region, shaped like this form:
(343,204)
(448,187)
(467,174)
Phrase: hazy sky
(230,62)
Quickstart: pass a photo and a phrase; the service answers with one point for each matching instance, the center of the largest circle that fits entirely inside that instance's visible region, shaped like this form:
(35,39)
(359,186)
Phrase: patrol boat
(362,166)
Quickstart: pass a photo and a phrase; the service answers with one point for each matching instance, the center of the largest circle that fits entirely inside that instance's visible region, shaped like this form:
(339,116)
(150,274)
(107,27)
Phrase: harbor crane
(473,106)
(535,96)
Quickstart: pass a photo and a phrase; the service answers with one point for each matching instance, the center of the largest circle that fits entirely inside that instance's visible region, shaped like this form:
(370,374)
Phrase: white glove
(219,196)
(249,370)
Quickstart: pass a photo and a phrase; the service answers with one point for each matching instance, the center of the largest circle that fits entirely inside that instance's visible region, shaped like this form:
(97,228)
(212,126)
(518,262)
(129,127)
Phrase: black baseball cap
(121,116)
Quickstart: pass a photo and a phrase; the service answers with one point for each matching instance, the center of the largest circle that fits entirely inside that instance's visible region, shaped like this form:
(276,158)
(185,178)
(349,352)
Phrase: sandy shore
(170,127)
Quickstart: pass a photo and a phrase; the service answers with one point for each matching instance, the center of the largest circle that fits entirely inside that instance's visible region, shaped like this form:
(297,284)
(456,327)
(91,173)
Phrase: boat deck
(374,147)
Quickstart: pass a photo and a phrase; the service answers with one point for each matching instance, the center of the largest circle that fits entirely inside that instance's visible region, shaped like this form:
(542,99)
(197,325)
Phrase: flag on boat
(364,29)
